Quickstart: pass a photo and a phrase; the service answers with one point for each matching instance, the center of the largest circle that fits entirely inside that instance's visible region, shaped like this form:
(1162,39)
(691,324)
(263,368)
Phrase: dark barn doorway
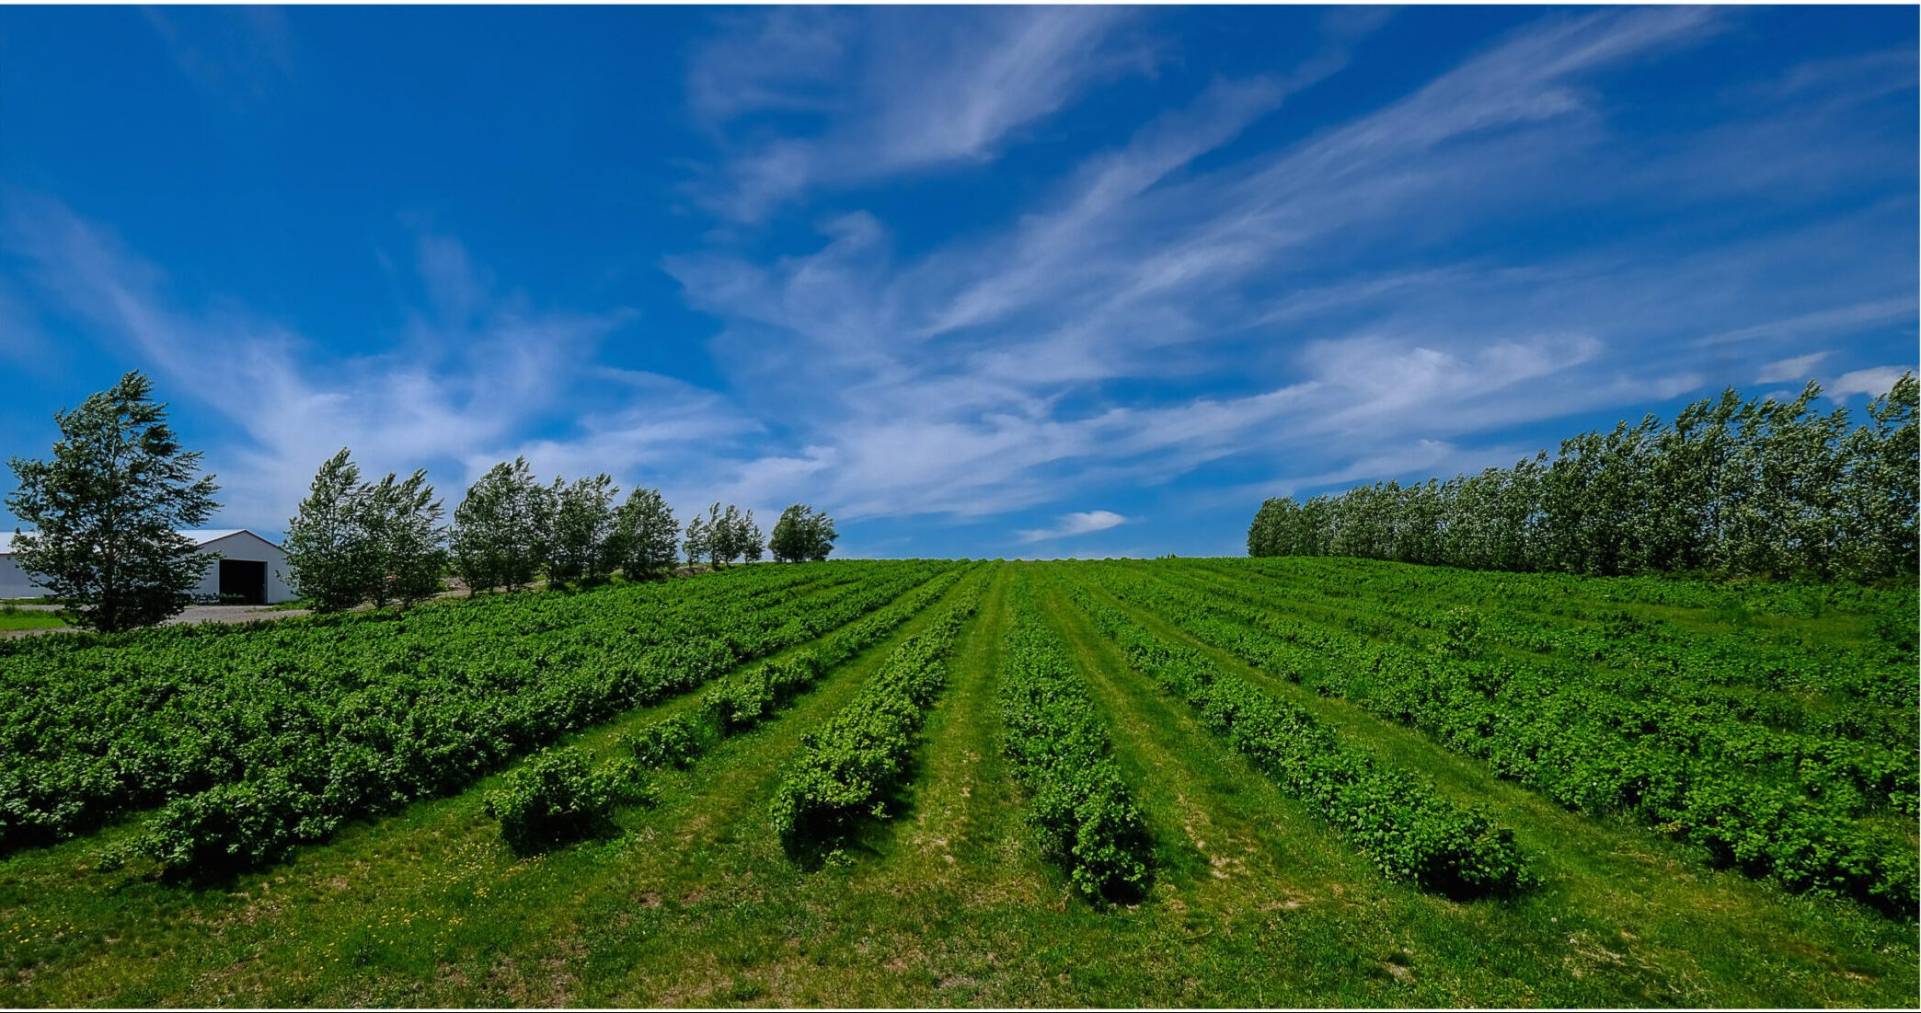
(243,580)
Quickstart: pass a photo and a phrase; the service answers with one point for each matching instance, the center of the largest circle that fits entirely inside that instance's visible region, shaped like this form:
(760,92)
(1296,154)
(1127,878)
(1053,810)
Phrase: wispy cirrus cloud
(892,91)
(1871,382)
(236,54)
(1798,367)
(989,355)
(1084,522)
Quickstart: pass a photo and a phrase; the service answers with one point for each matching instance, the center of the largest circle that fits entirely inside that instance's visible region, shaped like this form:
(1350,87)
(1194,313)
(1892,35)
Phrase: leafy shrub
(226,828)
(557,796)
(1078,803)
(1410,831)
(673,742)
(1669,730)
(251,740)
(744,700)
(848,767)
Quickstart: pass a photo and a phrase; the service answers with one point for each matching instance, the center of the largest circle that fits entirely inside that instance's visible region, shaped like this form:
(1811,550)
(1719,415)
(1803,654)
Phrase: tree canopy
(802,533)
(353,541)
(1759,487)
(107,509)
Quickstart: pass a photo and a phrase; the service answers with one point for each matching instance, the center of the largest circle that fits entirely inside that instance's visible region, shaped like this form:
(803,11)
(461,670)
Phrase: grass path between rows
(1624,917)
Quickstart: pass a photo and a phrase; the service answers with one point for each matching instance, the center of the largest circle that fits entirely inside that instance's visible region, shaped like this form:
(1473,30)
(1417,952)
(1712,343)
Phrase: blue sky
(996,282)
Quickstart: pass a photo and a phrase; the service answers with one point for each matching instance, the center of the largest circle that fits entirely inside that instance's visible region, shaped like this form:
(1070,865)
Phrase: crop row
(1681,768)
(1843,748)
(1766,673)
(301,798)
(1409,830)
(91,727)
(1078,802)
(851,765)
(562,794)
(296,732)
(743,700)
(1849,774)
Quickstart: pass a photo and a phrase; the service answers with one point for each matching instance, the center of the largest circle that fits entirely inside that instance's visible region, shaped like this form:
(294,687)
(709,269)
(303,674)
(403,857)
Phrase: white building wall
(247,545)
(14,582)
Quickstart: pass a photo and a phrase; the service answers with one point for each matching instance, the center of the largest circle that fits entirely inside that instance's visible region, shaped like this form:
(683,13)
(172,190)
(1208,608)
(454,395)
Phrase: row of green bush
(1078,802)
(560,795)
(1761,670)
(743,700)
(1687,768)
(852,764)
(408,735)
(1402,823)
(95,726)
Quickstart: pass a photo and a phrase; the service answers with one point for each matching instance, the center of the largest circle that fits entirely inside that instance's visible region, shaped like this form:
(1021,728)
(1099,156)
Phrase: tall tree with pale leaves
(647,535)
(402,518)
(697,543)
(499,533)
(581,545)
(331,557)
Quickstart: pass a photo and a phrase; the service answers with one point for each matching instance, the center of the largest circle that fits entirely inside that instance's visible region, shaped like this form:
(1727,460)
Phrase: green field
(1340,782)
(12,617)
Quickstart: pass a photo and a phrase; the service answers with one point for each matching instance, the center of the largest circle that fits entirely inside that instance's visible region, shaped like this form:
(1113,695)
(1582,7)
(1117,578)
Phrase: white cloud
(1080,523)
(1195,296)
(972,378)
(1798,367)
(898,91)
(1872,382)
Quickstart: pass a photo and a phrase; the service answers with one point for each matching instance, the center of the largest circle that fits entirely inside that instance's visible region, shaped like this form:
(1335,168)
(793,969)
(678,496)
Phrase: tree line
(108,506)
(1732,486)
(352,541)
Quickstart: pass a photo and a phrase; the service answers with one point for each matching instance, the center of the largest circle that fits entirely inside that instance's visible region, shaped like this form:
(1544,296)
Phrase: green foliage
(1410,831)
(724,536)
(557,796)
(1078,803)
(107,509)
(338,717)
(330,556)
(646,535)
(1758,487)
(745,699)
(1706,739)
(802,533)
(403,525)
(499,536)
(672,742)
(227,828)
(698,542)
(353,541)
(752,543)
(851,766)
(583,544)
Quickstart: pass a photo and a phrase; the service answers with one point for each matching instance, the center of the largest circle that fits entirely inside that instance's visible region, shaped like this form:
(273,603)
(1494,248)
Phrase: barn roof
(199,536)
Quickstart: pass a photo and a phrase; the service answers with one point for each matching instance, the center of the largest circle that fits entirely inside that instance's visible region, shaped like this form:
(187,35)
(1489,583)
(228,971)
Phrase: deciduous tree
(648,535)
(107,509)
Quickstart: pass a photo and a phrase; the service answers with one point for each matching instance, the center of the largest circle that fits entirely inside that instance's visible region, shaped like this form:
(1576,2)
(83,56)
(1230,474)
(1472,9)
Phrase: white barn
(248,569)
